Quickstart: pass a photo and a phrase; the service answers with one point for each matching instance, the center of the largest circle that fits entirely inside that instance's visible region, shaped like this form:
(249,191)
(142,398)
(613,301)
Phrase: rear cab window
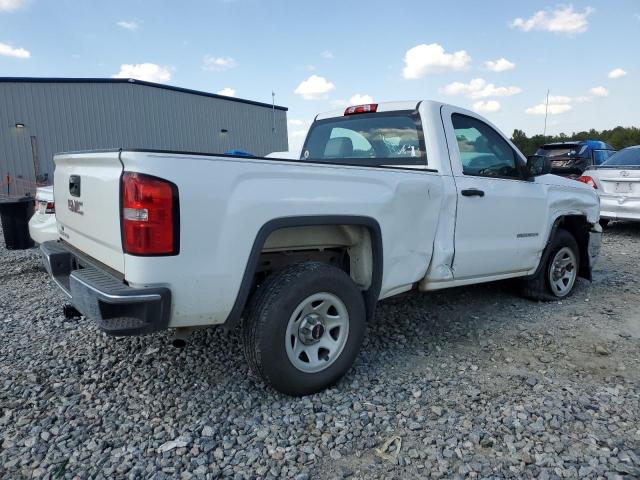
(384,139)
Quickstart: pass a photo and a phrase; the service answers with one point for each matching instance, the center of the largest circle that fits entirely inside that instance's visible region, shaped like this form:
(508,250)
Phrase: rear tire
(604,222)
(558,275)
(304,328)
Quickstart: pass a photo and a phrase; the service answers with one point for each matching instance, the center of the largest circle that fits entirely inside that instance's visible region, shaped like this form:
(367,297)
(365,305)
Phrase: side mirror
(538,165)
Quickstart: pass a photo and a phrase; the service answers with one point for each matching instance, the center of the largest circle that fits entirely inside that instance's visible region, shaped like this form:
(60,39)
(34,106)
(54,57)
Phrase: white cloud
(424,59)
(12,5)
(500,65)
(9,51)
(359,99)
(298,134)
(554,109)
(296,140)
(315,87)
(128,25)
(339,103)
(227,92)
(564,99)
(327,54)
(599,92)
(218,64)
(479,88)
(149,72)
(488,106)
(561,103)
(560,99)
(561,20)
(617,73)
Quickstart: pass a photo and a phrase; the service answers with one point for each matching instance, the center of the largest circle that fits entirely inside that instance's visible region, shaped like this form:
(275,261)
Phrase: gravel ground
(471,382)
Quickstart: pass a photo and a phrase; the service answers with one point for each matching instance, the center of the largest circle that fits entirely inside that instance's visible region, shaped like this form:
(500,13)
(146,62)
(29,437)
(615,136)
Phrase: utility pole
(546,112)
(273,109)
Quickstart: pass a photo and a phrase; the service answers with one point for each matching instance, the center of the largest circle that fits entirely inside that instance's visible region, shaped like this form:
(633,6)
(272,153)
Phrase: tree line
(619,137)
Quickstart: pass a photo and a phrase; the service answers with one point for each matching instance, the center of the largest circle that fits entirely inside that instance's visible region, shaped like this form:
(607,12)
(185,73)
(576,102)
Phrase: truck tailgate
(87,196)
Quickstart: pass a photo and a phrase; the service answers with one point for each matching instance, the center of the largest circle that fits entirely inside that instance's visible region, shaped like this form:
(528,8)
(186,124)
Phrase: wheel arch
(370,295)
(578,226)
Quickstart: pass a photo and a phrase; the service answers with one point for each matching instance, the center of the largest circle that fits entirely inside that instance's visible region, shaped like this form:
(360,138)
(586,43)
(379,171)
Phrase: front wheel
(304,328)
(557,276)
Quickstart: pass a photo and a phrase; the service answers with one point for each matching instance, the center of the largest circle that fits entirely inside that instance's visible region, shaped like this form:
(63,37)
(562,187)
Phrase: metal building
(43,116)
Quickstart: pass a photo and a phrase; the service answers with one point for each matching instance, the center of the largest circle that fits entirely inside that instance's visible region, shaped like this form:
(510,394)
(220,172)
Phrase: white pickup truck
(384,199)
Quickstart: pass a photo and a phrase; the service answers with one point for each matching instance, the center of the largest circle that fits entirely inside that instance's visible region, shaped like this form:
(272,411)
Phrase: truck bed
(224,202)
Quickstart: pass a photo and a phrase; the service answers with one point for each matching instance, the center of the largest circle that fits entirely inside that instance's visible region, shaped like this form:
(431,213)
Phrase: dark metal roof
(134,82)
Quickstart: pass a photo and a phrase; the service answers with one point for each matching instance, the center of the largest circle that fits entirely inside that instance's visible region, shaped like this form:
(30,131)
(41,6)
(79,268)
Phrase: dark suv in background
(572,158)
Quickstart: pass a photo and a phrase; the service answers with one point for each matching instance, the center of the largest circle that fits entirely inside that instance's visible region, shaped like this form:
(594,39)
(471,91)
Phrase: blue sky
(320,55)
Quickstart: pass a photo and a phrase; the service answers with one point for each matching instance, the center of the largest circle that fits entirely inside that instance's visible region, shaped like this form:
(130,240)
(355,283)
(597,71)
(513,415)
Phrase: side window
(483,151)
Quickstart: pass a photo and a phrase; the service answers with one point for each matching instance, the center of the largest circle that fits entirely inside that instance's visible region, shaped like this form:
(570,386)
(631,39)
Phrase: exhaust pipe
(180,336)
(70,312)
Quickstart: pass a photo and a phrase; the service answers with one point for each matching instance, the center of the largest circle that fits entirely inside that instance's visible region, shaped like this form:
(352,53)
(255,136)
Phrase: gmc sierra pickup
(385,198)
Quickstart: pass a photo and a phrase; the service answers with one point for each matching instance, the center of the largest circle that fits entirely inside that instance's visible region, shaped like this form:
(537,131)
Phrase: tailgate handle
(74,185)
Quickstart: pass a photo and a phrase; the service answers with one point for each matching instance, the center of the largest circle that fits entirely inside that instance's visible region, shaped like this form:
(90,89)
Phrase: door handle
(472,192)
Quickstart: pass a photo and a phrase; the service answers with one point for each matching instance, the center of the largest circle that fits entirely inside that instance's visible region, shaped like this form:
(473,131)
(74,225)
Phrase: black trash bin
(15,215)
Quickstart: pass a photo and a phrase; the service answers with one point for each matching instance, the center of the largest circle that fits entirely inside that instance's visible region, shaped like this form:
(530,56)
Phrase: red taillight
(367,108)
(49,208)
(149,215)
(588,180)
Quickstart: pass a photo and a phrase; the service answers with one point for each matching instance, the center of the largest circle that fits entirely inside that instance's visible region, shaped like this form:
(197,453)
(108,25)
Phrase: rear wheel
(304,328)
(604,222)
(558,274)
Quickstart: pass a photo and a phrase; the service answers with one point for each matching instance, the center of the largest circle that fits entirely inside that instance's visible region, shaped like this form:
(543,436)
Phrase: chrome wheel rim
(317,332)
(563,272)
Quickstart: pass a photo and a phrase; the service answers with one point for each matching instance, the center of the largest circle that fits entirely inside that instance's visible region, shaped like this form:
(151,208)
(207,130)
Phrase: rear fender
(370,295)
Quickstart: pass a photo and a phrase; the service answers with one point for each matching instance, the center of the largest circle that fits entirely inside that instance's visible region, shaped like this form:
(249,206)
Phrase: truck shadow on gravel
(414,331)
(415,326)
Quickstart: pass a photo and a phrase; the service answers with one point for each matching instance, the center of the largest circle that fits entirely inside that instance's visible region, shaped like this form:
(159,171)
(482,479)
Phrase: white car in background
(42,226)
(617,182)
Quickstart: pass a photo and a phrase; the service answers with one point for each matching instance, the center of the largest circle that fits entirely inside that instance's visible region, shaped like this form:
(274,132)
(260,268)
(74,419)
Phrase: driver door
(501,217)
